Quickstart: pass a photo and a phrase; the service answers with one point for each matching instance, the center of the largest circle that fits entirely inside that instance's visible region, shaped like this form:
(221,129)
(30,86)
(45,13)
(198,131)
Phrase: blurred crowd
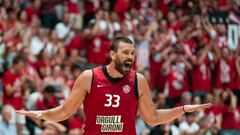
(46,44)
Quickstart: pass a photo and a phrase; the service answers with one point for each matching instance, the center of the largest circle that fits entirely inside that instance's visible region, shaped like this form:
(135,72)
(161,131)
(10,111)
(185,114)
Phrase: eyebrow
(129,51)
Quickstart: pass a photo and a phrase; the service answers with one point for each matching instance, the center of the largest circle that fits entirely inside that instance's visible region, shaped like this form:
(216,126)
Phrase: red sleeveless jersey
(111,106)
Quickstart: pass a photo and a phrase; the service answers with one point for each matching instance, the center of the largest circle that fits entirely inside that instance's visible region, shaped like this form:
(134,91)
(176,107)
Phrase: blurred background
(189,51)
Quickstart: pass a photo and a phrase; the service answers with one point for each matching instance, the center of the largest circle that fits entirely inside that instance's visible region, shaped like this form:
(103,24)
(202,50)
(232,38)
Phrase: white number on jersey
(112,100)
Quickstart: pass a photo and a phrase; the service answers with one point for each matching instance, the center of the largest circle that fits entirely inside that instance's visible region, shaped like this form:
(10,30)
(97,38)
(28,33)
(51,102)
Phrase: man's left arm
(154,117)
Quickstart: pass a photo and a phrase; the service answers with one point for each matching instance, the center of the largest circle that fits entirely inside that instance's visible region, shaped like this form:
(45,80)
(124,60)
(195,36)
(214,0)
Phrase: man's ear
(112,54)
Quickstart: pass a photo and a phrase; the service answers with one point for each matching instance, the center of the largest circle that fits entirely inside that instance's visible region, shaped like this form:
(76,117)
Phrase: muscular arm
(154,117)
(80,89)
(147,109)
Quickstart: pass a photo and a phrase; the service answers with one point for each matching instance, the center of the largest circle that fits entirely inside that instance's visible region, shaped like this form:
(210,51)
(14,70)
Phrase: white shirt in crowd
(185,127)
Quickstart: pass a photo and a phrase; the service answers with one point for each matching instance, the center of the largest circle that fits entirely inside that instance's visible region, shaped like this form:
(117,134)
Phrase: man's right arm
(79,91)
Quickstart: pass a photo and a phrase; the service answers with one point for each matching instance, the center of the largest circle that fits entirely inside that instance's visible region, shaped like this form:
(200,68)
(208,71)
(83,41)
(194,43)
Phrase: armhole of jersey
(92,81)
(136,87)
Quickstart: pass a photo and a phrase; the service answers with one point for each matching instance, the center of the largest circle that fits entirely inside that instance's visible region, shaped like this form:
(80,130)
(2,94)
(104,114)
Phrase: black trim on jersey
(92,80)
(136,87)
(111,79)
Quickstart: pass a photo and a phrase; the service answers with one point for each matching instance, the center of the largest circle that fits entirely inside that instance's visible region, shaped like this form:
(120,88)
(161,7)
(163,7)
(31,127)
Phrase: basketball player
(112,95)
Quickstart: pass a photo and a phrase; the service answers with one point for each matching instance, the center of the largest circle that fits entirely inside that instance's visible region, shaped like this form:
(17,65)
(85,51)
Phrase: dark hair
(190,114)
(199,48)
(49,89)
(10,10)
(17,59)
(116,40)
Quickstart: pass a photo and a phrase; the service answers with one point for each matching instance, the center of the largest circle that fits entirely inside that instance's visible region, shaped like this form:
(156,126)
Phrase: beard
(123,67)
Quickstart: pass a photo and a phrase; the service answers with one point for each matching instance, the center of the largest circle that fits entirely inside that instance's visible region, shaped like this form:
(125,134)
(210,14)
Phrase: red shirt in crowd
(31,13)
(76,43)
(97,50)
(163,6)
(72,7)
(43,104)
(76,123)
(156,78)
(214,111)
(238,81)
(229,118)
(14,99)
(121,7)
(201,77)
(89,6)
(176,82)
(225,77)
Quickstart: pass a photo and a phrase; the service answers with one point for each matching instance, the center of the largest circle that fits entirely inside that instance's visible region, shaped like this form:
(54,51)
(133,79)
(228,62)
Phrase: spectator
(175,69)
(205,127)
(201,81)
(186,98)
(48,13)
(158,52)
(189,126)
(230,114)
(143,44)
(38,41)
(225,69)
(52,128)
(13,92)
(98,43)
(76,123)
(47,99)
(6,127)
(33,11)
(237,62)
(161,101)
(56,79)
(161,130)
(75,14)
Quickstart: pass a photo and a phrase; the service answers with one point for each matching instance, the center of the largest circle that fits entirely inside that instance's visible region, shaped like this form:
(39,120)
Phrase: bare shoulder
(84,80)
(141,77)
(142,84)
(87,74)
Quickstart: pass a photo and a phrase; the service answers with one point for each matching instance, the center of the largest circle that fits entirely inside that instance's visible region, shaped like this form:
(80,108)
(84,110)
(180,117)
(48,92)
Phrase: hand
(192,108)
(33,114)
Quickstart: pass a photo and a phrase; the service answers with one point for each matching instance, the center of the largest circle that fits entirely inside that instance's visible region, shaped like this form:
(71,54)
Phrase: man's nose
(130,57)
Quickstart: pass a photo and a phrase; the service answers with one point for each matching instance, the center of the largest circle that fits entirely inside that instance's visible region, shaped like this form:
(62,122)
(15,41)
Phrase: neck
(112,71)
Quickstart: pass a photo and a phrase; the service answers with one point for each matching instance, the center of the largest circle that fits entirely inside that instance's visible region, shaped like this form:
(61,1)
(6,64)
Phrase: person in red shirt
(201,75)
(121,7)
(33,10)
(230,114)
(237,79)
(97,45)
(225,68)
(75,15)
(48,100)
(48,13)
(90,7)
(77,123)
(107,92)
(159,50)
(175,69)
(13,92)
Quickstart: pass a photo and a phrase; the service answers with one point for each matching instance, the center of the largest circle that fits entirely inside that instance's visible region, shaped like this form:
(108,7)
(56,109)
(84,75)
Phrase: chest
(114,96)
